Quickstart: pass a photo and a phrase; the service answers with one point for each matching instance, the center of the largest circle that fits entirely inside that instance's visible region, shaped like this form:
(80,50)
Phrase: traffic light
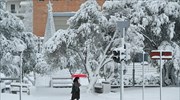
(116,56)
(119,54)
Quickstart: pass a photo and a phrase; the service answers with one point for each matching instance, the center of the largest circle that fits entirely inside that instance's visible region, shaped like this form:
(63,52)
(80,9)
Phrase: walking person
(75,89)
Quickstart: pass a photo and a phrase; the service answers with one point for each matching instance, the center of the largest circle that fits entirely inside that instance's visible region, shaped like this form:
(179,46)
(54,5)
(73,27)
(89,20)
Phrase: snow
(44,93)
(43,80)
(25,3)
(64,73)
(171,9)
(88,27)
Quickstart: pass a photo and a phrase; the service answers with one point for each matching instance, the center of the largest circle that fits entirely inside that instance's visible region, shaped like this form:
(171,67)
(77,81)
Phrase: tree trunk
(94,77)
(34,78)
(169,76)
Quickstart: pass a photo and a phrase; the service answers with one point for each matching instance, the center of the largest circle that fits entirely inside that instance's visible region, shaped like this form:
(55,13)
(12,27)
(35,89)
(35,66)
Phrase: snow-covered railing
(9,79)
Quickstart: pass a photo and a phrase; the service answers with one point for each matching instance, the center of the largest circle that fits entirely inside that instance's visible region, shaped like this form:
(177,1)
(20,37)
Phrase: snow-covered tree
(13,40)
(91,34)
(157,21)
(29,54)
(88,41)
(11,30)
(41,67)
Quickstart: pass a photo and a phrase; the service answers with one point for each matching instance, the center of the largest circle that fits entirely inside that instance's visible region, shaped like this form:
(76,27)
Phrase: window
(13,10)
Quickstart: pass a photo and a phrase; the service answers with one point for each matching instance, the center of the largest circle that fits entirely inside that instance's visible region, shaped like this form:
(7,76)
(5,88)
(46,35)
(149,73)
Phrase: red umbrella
(79,75)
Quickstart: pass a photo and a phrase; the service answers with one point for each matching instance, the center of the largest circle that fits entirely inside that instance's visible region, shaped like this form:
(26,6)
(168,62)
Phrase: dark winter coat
(75,91)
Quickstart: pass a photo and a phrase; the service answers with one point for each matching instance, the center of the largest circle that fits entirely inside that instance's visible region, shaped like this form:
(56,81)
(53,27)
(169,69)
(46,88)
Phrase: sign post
(20,49)
(161,55)
(161,75)
(121,29)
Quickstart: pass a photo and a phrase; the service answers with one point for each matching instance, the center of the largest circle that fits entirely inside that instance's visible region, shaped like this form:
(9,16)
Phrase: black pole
(133,73)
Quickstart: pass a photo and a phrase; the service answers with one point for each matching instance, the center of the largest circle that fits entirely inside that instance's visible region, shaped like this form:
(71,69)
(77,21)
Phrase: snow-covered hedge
(151,79)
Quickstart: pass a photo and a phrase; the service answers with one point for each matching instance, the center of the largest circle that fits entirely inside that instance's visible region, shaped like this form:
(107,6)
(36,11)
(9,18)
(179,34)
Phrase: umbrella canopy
(79,75)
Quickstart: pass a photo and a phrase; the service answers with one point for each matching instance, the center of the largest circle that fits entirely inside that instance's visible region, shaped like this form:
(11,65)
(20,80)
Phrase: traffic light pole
(122,68)
(121,29)
(122,82)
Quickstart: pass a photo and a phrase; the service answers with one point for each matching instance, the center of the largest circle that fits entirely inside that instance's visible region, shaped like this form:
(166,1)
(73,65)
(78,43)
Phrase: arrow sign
(166,54)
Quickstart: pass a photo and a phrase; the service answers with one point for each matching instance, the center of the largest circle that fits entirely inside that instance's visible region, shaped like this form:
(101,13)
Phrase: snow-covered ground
(46,93)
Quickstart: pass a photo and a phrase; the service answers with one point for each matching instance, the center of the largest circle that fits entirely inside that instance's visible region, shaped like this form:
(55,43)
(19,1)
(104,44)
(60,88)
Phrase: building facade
(62,11)
(17,7)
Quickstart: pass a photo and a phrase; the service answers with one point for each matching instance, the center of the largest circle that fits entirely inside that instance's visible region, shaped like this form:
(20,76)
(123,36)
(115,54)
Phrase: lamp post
(0,59)
(143,78)
(20,94)
(20,48)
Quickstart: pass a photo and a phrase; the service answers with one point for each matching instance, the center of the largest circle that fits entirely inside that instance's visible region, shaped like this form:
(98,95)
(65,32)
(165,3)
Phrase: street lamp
(0,63)
(20,48)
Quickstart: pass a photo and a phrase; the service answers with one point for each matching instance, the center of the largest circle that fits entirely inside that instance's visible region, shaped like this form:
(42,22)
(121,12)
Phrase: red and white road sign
(166,54)
(161,55)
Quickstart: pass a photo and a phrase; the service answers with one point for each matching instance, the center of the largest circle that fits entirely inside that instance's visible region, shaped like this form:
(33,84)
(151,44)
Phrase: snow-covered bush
(138,80)
(128,80)
(150,79)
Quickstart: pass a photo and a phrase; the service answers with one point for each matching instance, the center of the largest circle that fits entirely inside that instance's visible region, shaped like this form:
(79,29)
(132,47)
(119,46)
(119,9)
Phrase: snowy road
(64,94)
